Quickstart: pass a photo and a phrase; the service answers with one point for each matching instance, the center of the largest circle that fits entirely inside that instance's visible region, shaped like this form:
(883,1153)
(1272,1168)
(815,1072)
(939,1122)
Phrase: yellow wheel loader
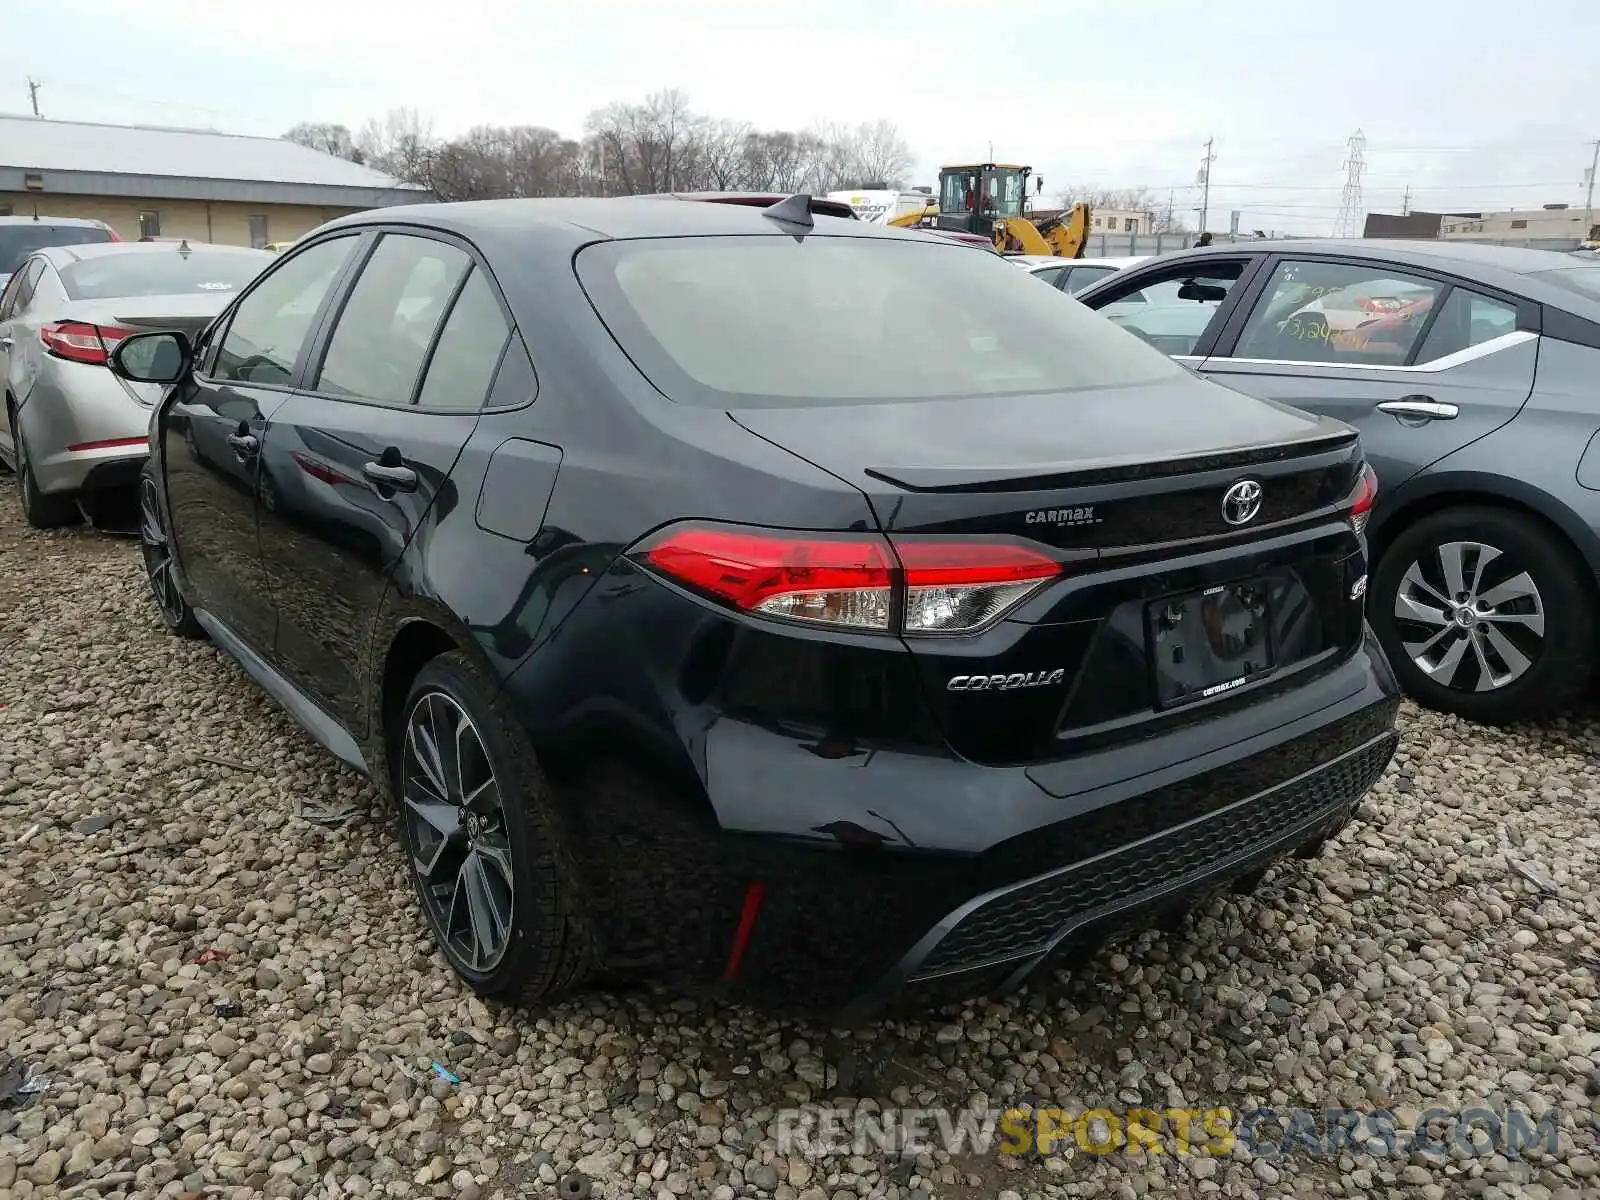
(991,200)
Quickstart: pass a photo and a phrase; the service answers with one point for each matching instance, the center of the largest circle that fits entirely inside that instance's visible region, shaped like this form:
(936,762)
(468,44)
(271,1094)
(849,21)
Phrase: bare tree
(399,143)
(879,154)
(629,147)
(328,138)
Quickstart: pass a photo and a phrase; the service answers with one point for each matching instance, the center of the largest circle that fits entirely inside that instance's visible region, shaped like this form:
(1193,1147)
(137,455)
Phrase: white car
(1072,274)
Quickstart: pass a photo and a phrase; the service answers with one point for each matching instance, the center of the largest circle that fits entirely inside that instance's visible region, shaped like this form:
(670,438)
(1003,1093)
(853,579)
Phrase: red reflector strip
(753,896)
(107,443)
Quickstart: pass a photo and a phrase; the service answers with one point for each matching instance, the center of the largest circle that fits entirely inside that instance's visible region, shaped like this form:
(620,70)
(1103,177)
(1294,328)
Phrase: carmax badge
(1005,683)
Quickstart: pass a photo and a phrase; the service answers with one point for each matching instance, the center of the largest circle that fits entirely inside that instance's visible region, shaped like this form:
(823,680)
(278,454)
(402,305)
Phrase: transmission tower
(1351,216)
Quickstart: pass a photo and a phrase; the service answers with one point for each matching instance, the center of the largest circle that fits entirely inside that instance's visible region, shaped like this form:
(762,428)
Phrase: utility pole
(1588,199)
(33,94)
(1204,180)
(1405,202)
(1168,226)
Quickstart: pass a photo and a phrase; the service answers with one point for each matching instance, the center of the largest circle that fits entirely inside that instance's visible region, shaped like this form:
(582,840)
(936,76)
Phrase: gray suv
(1473,374)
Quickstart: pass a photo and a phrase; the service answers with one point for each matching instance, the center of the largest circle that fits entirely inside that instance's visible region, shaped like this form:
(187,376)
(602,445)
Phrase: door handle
(1420,408)
(244,445)
(5,342)
(394,478)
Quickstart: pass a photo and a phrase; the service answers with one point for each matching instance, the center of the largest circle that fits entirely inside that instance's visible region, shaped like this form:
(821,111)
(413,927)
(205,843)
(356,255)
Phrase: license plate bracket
(1204,643)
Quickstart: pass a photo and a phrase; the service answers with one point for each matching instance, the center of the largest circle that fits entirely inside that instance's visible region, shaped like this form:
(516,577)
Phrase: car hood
(1056,435)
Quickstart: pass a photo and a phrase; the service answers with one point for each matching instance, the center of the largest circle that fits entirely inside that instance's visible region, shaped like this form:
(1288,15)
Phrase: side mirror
(151,358)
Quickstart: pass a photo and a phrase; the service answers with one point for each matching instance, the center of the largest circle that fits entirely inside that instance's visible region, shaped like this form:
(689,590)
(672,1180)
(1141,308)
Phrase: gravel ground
(229,999)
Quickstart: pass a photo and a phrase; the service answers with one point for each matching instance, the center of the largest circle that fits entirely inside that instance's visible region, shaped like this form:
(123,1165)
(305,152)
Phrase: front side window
(270,326)
(1338,313)
(751,321)
(387,325)
(1051,275)
(1173,310)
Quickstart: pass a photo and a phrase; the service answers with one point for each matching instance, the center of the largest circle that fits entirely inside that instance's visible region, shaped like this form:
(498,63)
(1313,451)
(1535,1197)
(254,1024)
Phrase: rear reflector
(852,581)
(78,341)
(108,443)
(1363,497)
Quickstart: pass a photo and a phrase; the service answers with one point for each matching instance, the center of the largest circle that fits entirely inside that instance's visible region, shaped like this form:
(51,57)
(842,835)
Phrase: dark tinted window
(388,322)
(161,274)
(1050,275)
(270,325)
(22,239)
(1334,312)
(1082,277)
(469,349)
(751,320)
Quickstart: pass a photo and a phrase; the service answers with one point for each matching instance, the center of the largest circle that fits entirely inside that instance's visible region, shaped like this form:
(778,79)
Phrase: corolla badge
(1241,502)
(1005,683)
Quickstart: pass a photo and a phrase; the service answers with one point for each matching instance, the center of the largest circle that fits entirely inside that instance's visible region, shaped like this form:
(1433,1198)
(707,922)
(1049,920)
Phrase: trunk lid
(188,313)
(1164,604)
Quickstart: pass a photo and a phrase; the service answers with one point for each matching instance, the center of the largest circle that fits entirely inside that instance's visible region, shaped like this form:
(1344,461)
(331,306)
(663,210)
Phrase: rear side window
(388,322)
(22,239)
(1466,320)
(469,348)
(743,321)
(1338,313)
(174,273)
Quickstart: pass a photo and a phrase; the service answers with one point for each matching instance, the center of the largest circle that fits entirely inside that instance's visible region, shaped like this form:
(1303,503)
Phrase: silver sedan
(71,426)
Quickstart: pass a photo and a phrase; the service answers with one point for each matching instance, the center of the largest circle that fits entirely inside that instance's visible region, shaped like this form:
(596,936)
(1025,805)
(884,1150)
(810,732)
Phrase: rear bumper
(878,875)
(998,940)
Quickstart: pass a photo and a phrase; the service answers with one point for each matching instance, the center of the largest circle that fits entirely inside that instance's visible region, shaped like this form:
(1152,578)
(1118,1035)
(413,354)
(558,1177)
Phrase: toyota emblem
(1241,502)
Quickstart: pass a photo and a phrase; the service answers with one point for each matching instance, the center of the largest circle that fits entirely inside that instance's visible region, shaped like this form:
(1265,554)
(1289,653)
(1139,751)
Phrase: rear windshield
(160,273)
(752,321)
(1583,280)
(19,241)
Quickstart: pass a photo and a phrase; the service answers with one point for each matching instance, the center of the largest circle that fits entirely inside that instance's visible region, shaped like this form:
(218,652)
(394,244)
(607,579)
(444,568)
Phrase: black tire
(1553,628)
(548,948)
(41,510)
(155,541)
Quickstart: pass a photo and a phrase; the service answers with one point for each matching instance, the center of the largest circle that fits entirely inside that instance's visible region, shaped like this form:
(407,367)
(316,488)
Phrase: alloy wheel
(157,549)
(1469,617)
(455,821)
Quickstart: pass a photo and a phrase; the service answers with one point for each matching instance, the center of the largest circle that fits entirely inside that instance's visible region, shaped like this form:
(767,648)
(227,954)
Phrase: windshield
(744,321)
(141,273)
(1583,280)
(19,241)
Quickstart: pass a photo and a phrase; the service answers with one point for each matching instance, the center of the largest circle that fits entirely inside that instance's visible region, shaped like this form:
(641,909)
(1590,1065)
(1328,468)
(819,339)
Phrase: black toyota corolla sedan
(758,597)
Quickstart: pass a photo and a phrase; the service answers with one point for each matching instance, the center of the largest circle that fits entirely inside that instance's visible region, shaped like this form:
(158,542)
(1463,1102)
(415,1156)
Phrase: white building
(1120,220)
(1515,225)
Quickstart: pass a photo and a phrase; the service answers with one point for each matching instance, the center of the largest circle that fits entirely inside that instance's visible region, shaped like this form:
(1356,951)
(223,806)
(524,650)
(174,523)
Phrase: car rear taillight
(80,341)
(960,586)
(1363,497)
(865,582)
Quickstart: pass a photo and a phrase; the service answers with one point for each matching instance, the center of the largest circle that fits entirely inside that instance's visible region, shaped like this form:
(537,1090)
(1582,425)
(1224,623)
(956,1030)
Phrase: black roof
(1512,269)
(580,220)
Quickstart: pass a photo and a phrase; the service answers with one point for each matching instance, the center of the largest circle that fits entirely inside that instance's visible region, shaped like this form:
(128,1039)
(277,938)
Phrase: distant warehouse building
(146,181)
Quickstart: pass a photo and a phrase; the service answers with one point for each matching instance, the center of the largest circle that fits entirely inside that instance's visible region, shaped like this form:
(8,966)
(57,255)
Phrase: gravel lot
(229,999)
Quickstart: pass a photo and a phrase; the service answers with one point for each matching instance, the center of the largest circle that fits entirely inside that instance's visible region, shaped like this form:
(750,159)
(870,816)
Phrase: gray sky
(1472,111)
